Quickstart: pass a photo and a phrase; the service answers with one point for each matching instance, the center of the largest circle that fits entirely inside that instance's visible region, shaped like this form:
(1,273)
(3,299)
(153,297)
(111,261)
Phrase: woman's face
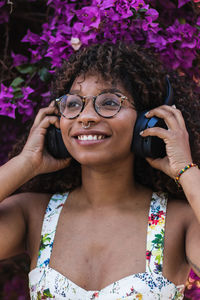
(113,136)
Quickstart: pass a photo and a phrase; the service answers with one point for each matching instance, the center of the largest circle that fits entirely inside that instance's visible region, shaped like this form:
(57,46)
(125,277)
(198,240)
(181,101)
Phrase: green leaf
(142,10)
(47,293)
(44,74)
(158,241)
(26,69)
(17,92)
(17,81)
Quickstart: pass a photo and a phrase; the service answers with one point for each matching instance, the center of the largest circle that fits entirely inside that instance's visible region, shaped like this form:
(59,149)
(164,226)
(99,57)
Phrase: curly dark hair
(144,77)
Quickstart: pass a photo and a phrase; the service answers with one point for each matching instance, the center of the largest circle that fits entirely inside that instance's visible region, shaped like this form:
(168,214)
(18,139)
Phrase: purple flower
(25,108)
(18,59)
(124,8)
(89,16)
(198,21)
(8,109)
(6,93)
(150,16)
(25,105)
(77,29)
(27,91)
(31,38)
(2,3)
(35,55)
(158,40)
(182,2)
(104,4)
(185,57)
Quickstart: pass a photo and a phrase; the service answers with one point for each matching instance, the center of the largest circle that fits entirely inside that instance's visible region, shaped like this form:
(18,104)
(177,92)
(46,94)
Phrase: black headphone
(150,146)
(145,147)
(54,143)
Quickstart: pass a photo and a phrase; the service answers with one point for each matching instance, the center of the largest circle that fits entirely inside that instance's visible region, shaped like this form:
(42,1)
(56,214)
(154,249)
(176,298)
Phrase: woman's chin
(93,160)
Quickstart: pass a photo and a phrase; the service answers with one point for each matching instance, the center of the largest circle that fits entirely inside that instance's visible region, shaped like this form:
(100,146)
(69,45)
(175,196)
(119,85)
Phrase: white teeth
(90,137)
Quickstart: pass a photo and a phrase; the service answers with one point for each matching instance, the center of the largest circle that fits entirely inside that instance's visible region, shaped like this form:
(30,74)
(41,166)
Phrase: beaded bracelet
(182,171)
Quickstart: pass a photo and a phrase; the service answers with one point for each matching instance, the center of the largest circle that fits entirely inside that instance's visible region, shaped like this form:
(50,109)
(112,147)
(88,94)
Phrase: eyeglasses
(106,104)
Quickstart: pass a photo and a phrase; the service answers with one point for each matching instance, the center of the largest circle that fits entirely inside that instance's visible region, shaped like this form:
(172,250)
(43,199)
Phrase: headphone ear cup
(150,146)
(137,142)
(54,143)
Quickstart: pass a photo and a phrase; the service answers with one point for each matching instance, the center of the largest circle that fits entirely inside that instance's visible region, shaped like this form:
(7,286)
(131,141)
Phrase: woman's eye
(73,104)
(110,102)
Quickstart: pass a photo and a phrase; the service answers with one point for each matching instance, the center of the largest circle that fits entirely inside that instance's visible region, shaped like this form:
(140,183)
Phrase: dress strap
(156,233)
(51,217)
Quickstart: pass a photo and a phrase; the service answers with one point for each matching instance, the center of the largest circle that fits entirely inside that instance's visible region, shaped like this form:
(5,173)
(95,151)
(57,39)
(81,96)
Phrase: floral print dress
(47,283)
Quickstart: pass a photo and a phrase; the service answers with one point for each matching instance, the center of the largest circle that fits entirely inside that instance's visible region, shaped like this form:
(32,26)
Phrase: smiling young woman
(116,227)
(103,141)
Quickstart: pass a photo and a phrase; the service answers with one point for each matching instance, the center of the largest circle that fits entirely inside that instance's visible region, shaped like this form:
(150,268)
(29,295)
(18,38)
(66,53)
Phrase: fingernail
(147,113)
(174,106)
(141,132)
(52,103)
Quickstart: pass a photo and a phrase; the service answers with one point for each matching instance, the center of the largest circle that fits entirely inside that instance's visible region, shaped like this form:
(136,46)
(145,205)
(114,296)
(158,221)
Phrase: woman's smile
(90,137)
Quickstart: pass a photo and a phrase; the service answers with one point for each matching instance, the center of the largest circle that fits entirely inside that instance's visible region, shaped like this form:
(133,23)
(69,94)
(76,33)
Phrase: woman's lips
(90,136)
(89,139)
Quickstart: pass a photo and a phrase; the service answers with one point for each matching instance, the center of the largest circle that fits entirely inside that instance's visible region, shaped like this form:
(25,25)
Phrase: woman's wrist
(26,166)
(182,172)
(190,176)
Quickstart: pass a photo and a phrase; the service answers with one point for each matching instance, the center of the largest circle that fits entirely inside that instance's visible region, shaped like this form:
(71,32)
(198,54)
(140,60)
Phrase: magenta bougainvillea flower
(7,108)
(71,25)
(182,2)
(89,16)
(18,59)
(6,93)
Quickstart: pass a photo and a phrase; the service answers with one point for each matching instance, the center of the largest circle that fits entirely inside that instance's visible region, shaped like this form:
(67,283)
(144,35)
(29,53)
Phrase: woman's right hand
(34,150)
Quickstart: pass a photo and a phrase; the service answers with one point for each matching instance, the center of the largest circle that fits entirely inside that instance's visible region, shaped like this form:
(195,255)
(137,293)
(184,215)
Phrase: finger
(50,110)
(179,117)
(158,163)
(156,131)
(172,116)
(50,120)
(52,103)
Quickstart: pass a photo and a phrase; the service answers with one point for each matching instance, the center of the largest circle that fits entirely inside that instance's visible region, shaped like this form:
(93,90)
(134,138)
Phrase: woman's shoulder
(180,210)
(30,203)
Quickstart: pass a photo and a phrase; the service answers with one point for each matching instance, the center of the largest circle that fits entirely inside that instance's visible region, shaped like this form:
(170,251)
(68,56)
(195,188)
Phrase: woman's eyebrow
(109,90)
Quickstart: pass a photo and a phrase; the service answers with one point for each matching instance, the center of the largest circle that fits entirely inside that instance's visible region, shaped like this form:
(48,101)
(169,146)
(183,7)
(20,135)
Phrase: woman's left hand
(176,139)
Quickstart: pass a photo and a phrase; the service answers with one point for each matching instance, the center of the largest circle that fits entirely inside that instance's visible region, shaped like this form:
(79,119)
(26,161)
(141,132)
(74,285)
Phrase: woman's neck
(108,185)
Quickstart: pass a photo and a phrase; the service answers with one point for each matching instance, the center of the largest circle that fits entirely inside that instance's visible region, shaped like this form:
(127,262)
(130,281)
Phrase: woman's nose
(88,113)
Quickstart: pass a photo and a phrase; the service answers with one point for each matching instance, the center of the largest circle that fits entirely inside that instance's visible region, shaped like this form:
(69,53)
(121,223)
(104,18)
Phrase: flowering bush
(38,35)
(171,30)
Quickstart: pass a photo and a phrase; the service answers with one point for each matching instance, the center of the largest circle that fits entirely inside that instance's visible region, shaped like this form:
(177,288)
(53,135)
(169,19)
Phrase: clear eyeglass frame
(121,97)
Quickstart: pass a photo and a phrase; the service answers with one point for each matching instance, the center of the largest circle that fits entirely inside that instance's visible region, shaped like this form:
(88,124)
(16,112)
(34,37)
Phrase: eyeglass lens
(106,105)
